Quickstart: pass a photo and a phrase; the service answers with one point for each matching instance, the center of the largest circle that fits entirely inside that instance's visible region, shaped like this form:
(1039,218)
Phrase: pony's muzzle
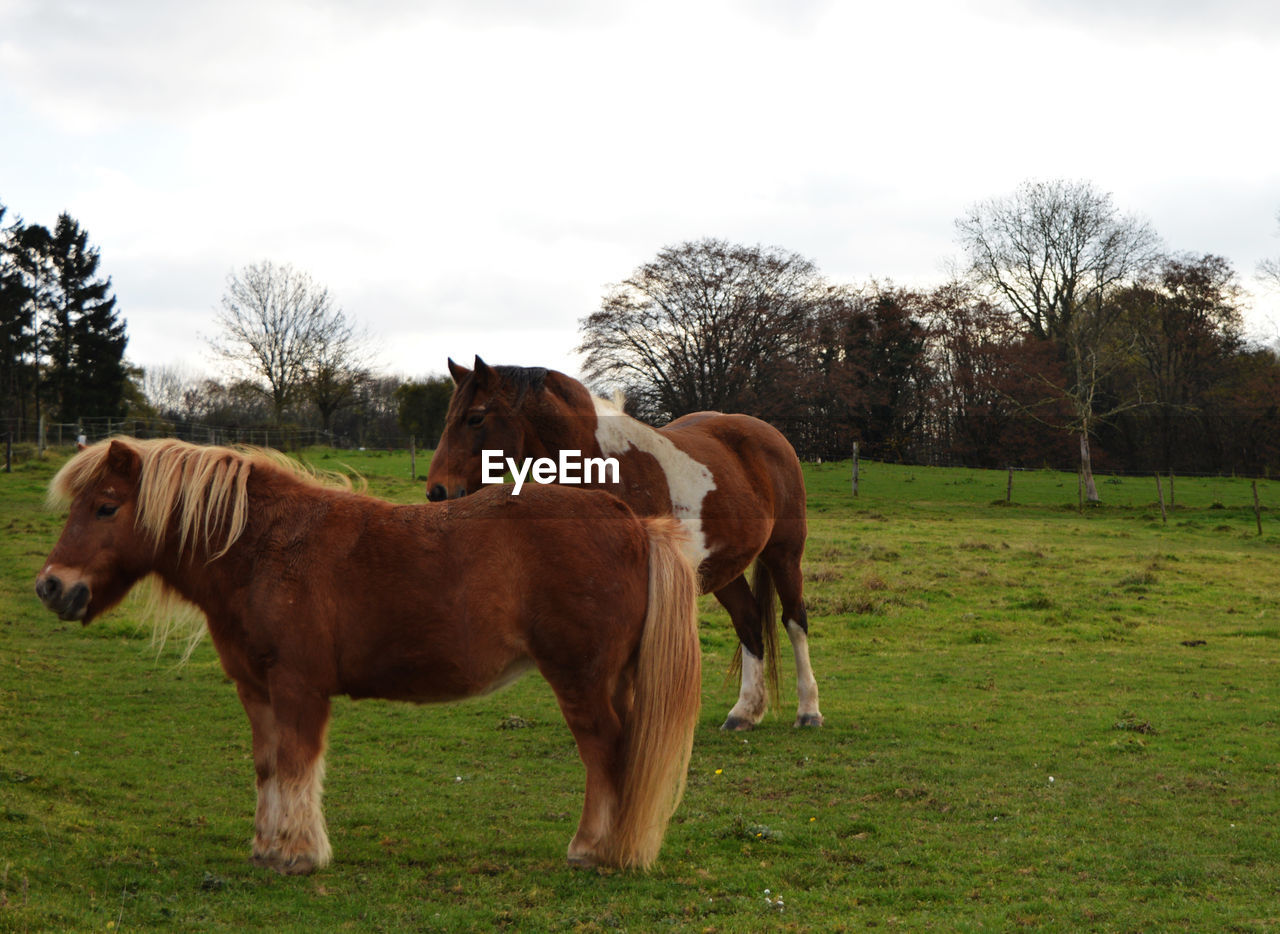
(68,602)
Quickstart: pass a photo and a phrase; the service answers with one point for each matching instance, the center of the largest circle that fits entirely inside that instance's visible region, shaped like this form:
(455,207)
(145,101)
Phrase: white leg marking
(291,832)
(806,686)
(753,700)
(268,815)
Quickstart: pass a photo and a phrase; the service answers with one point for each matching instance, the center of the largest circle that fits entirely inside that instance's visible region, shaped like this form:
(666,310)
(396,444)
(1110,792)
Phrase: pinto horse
(310,591)
(733,481)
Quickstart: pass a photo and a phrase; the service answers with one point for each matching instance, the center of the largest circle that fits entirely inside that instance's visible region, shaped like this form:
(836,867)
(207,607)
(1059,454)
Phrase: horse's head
(100,553)
(487,413)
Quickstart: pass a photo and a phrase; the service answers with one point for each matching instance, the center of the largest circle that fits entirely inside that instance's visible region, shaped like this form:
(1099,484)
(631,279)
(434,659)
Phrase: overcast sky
(468,176)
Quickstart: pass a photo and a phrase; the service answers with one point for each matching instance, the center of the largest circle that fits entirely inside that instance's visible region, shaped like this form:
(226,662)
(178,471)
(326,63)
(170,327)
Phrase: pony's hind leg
(788,580)
(598,736)
(288,738)
(753,696)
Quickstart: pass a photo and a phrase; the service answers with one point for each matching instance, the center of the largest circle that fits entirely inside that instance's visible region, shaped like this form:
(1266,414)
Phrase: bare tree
(275,325)
(700,327)
(1269,269)
(337,368)
(1052,253)
(169,390)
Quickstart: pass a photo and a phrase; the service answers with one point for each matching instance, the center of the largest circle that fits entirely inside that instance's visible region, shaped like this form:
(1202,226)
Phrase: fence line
(288,437)
(291,437)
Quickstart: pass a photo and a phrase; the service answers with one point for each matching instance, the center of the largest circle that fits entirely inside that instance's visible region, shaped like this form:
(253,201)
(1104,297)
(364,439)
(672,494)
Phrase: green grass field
(1037,717)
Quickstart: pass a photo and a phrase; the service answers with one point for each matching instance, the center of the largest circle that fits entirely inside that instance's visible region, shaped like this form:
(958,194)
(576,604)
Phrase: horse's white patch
(688,481)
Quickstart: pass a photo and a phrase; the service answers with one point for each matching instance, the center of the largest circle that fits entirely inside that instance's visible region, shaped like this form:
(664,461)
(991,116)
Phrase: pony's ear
(458,372)
(123,460)
(484,373)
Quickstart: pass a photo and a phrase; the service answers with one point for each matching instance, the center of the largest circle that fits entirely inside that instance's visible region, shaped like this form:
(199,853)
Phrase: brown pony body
(733,481)
(311,592)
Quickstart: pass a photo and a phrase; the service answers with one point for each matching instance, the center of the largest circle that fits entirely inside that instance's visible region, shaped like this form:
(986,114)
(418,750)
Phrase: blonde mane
(205,488)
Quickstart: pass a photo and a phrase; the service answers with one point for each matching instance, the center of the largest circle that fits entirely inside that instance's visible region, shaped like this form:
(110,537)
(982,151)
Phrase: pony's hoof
(297,866)
(808,719)
(294,866)
(582,861)
(737,725)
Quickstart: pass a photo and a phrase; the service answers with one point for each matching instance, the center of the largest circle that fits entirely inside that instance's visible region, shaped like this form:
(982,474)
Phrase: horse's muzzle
(438,492)
(68,602)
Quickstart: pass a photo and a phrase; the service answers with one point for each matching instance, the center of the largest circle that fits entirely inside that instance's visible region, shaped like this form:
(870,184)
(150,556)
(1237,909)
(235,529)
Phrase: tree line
(1070,335)
(292,358)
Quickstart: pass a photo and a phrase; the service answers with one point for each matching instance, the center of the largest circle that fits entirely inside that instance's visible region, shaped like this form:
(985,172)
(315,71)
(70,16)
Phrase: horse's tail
(658,733)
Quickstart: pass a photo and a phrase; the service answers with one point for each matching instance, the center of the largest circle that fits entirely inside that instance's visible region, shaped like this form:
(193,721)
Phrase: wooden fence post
(413,458)
(855,468)
(1257,507)
(1008,490)
(1164,518)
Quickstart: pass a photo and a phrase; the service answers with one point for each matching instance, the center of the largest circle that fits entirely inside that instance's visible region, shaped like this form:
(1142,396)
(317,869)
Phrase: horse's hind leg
(784,564)
(753,696)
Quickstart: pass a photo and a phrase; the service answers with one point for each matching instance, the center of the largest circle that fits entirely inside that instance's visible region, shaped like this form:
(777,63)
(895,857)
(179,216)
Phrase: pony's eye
(107,510)
(475,419)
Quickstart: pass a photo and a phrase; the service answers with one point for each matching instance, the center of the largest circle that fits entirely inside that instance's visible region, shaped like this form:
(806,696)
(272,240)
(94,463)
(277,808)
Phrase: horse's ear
(458,372)
(123,460)
(484,372)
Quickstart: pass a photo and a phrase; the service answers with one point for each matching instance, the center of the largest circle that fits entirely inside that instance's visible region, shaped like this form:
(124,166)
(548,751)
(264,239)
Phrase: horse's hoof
(808,719)
(737,725)
(582,861)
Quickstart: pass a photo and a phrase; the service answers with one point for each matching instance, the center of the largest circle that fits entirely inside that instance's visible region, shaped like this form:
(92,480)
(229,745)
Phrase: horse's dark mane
(524,378)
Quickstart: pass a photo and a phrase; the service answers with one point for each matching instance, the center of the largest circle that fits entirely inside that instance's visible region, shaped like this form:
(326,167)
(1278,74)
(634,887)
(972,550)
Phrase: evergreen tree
(82,336)
(17,329)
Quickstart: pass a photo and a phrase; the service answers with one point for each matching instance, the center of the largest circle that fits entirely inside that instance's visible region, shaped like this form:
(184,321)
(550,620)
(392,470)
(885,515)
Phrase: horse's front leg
(289,728)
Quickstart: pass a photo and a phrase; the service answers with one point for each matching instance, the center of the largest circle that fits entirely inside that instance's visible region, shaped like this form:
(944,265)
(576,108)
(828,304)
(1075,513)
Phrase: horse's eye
(107,510)
(475,419)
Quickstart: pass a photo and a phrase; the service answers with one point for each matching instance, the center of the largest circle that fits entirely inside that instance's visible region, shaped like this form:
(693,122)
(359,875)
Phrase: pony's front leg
(291,836)
(262,723)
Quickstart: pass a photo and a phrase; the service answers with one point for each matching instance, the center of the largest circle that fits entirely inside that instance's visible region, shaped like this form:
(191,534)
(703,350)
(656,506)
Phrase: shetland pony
(733,481)
(310,591)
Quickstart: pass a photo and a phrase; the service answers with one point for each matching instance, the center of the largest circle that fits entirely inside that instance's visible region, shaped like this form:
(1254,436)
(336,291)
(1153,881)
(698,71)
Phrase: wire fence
(24,439)
(87,430)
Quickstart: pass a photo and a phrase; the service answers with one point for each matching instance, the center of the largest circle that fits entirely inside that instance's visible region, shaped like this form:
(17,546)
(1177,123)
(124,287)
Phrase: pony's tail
(658,734)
